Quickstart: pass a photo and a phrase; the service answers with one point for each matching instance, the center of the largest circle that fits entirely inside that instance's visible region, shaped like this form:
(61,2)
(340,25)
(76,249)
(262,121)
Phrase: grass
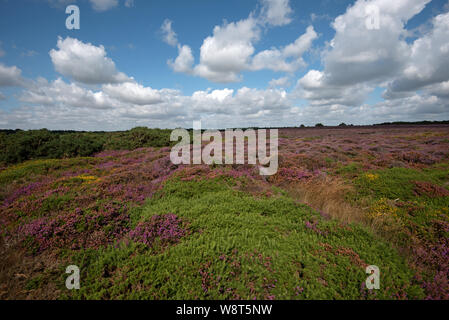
(392,197)
(397,183)
(349,169)
(28,170)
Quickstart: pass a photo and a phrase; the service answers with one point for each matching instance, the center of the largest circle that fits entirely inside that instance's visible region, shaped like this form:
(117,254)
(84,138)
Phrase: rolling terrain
(140,227)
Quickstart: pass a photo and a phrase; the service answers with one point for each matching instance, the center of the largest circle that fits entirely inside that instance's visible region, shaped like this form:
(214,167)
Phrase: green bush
(19,146)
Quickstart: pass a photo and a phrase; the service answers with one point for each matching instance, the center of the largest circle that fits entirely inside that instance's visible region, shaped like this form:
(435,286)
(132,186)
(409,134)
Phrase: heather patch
(160,231)
(76,230)
(430,190)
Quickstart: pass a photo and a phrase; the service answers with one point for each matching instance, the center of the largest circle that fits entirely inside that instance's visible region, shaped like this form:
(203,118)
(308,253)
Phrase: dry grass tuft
(328,195)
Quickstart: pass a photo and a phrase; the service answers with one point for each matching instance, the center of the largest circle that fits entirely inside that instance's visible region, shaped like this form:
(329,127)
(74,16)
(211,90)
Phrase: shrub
(19,146)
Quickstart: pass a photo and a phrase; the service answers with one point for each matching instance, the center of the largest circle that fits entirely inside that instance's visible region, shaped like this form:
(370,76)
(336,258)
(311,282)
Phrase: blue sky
(314,84)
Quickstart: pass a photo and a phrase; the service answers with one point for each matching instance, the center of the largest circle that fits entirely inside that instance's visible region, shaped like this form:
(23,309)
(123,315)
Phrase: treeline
(342,125)
(17,145)
(414,123)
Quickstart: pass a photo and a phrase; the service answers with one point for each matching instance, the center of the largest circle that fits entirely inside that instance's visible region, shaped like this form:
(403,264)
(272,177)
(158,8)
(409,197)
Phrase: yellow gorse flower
(382,208)
(371,176)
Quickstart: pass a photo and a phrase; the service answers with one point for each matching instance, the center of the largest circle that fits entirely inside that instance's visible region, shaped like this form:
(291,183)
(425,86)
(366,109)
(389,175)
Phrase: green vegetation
(289,252)
(350,169)
(18,146)
(397,183)
(411,201)
(140,227)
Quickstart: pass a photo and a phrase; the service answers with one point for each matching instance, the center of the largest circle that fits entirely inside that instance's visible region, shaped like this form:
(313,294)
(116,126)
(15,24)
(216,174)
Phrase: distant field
(139,227)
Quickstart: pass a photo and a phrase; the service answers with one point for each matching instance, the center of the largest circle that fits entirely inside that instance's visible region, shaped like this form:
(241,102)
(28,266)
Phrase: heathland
(140,227)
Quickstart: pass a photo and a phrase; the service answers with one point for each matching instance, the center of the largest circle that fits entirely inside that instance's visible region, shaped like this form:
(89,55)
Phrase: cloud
(110,96)
(428,62)
(314,88)
(62,105)
(369,54)
(10,76)
(132,92)
(68,95)
(280,82)
(440,90)
(169,36)
(255,101)
(413,108)
(245,101)
(67,105)
(230,50)
(227,52)
(2,96)
(278,59)
(134,96)
(276,12)
(184,61)
(85,62)
(215,102)
(358,59)
(103,5)
(355,62)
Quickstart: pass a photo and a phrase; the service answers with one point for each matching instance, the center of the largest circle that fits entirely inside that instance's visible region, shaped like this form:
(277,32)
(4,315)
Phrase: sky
(228,63)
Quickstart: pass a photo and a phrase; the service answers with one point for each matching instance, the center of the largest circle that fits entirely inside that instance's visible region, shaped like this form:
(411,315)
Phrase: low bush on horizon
(18,146)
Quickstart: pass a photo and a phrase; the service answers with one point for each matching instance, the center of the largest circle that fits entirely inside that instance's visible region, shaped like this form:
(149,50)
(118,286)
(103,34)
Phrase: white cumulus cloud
(358,59)
(184,61)
(134,93)
(280,82)
(228,51)
(428,62)
(85,62)
(287,59)
(276,12)
(10,76)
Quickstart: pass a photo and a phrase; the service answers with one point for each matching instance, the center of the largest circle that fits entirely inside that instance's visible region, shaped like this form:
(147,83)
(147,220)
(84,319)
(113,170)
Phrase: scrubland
(140,227)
